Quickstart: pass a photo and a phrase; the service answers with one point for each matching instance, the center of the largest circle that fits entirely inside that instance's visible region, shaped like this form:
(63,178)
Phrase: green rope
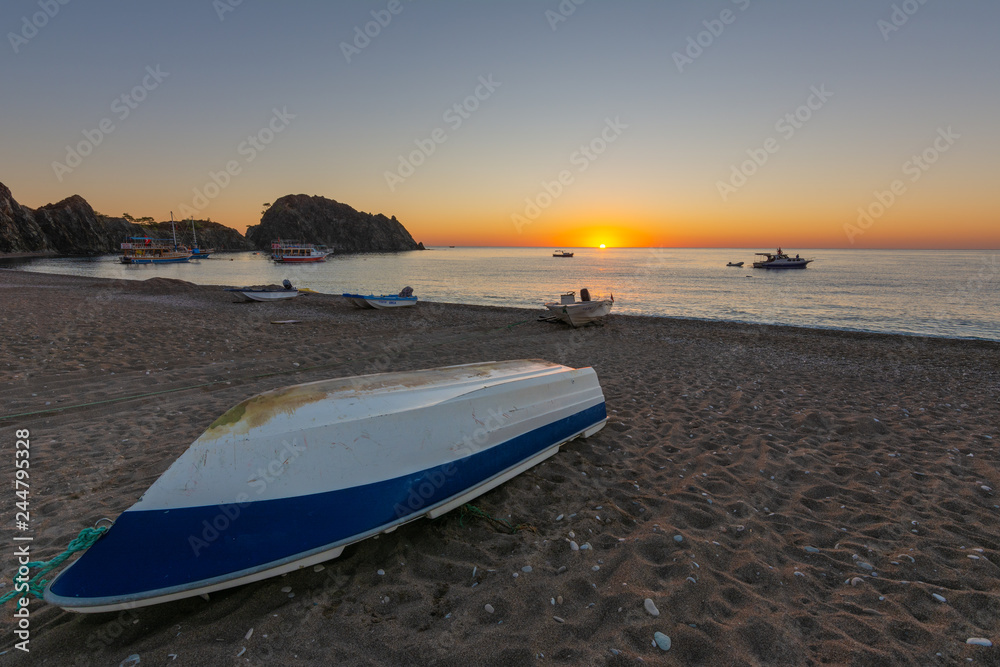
(36,586)
(499,523)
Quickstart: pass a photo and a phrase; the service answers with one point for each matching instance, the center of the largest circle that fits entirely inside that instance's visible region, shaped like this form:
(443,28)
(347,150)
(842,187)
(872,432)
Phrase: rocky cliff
(325,221)
(71,227)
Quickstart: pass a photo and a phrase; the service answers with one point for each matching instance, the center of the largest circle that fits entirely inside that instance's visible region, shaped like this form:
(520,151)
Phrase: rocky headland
(72,227)
(331,223)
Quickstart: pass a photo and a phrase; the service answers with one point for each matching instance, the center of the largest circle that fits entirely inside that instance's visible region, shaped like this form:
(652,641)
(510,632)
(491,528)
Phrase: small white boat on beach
(288,478)
(403,299)
(267,293)
(580,313)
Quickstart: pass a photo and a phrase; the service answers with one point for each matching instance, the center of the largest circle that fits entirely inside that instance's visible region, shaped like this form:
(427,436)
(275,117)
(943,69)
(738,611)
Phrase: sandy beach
(784,496)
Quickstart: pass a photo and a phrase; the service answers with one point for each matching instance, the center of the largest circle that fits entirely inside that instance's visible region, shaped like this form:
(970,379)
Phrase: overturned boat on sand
(288,478)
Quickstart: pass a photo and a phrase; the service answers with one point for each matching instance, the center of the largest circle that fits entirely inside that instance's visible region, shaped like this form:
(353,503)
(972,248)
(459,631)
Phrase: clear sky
(733,123)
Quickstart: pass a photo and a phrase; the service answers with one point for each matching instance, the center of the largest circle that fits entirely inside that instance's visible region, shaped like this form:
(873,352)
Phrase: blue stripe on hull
(152,550)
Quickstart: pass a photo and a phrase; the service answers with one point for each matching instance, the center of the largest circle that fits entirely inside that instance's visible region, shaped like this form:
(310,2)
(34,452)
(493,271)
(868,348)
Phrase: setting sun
(602,245)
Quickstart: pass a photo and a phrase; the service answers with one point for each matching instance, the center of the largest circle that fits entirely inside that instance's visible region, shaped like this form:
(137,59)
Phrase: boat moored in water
(348,459)
(780,260)
(296,252)
(735,264)
(562,253)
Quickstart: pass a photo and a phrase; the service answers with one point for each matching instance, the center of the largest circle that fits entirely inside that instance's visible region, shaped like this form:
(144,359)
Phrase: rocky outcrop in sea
(325,221)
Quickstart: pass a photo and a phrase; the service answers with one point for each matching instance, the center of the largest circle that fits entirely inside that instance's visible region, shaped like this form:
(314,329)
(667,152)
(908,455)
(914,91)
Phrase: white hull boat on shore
(288,478)
(580,313)
(266,294)
(380,301)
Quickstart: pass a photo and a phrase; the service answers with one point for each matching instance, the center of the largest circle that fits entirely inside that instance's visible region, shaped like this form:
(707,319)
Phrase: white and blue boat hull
(288,478)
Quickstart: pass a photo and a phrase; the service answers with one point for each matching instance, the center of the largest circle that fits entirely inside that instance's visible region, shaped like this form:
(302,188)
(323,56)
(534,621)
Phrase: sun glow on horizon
(602,246)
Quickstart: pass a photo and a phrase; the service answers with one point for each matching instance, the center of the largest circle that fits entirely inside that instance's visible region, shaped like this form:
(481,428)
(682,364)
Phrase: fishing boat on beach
(580,313)
(288,478)
(296,252)
(267,293)
(401,300)
(780,260)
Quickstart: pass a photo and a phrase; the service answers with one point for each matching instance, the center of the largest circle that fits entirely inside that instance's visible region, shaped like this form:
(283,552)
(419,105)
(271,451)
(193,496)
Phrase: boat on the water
(562,253)
(580,313)
(297,252)
(146,250)
(780,260)
(288,478)
(401,300)
(735,264)
(196,251)
(267,293)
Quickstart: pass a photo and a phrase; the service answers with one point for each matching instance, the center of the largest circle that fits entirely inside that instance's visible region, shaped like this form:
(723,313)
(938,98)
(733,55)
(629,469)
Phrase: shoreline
(749,442)
(678,318)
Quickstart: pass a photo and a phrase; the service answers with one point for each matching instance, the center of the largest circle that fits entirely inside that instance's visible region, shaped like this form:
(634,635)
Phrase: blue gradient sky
(679,135)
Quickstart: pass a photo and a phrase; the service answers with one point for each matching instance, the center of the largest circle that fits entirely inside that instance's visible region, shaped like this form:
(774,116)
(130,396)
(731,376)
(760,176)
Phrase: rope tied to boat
(496,522)
(36,585)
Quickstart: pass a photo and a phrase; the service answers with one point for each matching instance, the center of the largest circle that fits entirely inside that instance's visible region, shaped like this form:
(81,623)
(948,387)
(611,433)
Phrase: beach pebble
(242,651)
(526,569)
(596,568)
(574,546)
(812,550)
(558,620)
(661,640)
(978,641)
(380,572)
(857,581)
(558,599)
(866,566)
(249,634)
(133,660)
(651,608)
(586,546)
(559,518)
(939,598)
(985,488)
(678,538)
(562,568)
(489,609)
(286,589)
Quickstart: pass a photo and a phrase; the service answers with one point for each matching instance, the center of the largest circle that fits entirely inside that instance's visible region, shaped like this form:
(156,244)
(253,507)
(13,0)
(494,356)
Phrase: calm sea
(954,294)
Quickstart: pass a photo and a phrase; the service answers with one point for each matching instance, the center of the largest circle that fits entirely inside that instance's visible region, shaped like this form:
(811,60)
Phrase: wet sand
(784,496)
